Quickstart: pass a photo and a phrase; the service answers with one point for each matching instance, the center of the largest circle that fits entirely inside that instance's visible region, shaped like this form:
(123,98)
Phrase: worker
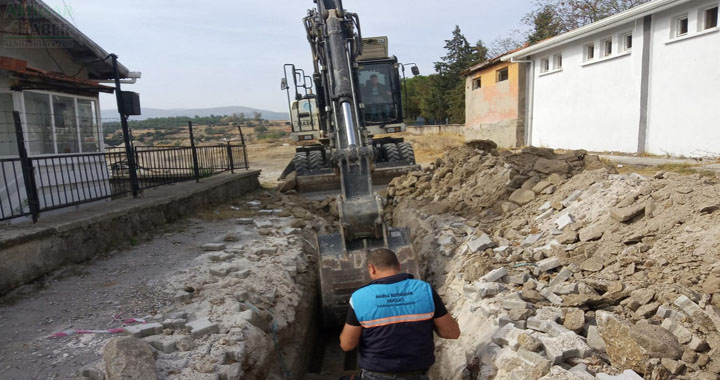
(392,320)
(375,92)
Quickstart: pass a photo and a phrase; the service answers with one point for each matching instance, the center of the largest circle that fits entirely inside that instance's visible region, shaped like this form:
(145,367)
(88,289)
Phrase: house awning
(28,78)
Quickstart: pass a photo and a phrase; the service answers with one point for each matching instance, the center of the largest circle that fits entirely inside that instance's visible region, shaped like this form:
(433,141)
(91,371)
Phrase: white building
(644,80)
(50,73)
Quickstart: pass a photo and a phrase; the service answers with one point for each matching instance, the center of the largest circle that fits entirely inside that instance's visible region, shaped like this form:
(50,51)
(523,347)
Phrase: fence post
(196,168)
(244,148)
(230,158)
(28,171)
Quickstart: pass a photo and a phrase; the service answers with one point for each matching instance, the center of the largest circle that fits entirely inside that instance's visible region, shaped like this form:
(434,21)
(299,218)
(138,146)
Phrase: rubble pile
(227,323)
(594,275)
(478,180)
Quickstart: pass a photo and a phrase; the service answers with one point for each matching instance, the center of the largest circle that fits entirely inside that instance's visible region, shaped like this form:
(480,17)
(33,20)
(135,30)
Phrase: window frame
(627,36)
(587,48)
(22,108)
(477,83)
(608,45)
(498,74)
(545,65)
(703,17)
(16,107)
(557,67)
(677,22)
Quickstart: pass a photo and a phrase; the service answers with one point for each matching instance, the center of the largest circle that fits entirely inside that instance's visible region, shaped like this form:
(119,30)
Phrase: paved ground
(122,284)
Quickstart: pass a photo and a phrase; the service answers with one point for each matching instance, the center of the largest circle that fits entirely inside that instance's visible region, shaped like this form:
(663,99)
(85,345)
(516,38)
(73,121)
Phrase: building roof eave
(607,23)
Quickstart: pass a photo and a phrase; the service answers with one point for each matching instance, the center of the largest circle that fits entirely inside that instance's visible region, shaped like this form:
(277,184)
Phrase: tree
(459,55)
(257,116)
(572,14)
(502,45)
(545,24)
(481,52)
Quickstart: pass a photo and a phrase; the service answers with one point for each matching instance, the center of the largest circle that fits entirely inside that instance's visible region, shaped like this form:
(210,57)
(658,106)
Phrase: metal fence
(32,185)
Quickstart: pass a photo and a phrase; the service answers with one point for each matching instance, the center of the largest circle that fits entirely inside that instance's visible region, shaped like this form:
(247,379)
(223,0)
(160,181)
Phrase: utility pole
(132,168)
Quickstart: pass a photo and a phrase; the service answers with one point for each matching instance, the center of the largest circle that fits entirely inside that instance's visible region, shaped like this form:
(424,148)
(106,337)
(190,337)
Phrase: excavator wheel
(392,153)
(316,160)
(407,152)
(302,166)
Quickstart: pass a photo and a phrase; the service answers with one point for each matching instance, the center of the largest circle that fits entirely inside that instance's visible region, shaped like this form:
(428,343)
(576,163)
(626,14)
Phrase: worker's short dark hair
(375,76)
(383,258)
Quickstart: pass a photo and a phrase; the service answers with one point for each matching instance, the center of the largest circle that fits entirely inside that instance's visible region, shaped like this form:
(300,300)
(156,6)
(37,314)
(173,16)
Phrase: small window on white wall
(710,18)
(589,52)
(545,64)
(608,47)
(557,62)
(627,42)
(682,25)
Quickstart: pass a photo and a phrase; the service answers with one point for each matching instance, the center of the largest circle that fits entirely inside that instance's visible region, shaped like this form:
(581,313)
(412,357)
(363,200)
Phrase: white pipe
(349,123)
(530,100)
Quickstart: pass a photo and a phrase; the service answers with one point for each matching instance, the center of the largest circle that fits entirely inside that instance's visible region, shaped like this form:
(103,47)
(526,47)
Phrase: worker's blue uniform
(396,314)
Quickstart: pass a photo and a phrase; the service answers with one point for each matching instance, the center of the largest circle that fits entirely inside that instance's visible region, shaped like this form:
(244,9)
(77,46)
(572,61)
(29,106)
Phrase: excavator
(347,122)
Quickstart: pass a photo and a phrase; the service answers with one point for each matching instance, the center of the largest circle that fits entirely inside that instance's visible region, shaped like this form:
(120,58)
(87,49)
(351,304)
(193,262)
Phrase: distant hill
(148,113)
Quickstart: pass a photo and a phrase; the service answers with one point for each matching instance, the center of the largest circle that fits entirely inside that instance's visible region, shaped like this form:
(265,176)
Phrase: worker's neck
(383,274)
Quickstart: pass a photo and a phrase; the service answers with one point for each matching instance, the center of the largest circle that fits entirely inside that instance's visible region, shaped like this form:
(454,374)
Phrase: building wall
(684,87)
(39,58)
(494,111)
(592,105)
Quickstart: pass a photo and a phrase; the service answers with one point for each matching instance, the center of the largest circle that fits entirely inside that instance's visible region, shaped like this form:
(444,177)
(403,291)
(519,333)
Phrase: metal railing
(32,185)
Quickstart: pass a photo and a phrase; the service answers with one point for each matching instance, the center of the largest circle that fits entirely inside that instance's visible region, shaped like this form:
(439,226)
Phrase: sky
(231,52)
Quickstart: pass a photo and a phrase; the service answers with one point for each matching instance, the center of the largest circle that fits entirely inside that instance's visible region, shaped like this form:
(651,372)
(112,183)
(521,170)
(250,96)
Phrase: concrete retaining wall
(29,251)
(507,133)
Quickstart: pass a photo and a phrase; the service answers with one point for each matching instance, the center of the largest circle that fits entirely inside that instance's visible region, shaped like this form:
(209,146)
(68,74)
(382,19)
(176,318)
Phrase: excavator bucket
(331,181)
(343,268)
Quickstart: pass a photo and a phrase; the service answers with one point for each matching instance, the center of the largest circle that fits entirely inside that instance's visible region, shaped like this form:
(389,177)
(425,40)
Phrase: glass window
(608,47)
(711,18)
(39,124)
(8,142)
(87,114)
(628,42)
(544,65)
(66,129)
(376,92)
(682,26)
(589,52)
(558,62)
(477,83)
(503,75)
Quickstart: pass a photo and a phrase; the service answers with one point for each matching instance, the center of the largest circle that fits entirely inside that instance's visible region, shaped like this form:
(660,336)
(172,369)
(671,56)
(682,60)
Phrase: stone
(674,366)
(548,264)
(564,220)
(711,284)
(698,344)
(542,185)
(263,223)
(164,344)
(534,360)
(657,341)
(480,243)
(231,372)
(291,231)
(175,324)
(580,371)
(516,279)
(624,352)
(91,372)
(144,329)
(642,296)
(529,342)
(507,336)
(537,324)
(552,297)
(564,289)
(575,195)
(561,277)
(520,314)
(508,207)
(183,297)
(495,275)
(574,320)
(687,306)
(626,375)
(531,239)
(545,214)
(546,166)
(593,264)
(290,183)
(559,373)
(255,204)
(242,274)
(212,247)
(244,221)
(223,270)
(568,237)
(682,334)
(594,339)
(531,295)
(564,346)
(522,197)
(545,207)
(510,304)
(202,327)
(592,232)
(647,311)
(625,214)
(129,358)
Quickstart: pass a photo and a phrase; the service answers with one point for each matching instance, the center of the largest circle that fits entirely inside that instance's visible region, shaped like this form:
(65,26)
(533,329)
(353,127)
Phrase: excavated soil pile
(591,275)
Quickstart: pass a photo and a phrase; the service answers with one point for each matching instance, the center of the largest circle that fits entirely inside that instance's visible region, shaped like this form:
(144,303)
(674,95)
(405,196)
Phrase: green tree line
(441,96)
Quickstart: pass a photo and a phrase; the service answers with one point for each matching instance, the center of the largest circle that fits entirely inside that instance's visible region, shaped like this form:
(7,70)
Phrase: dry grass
(682,169)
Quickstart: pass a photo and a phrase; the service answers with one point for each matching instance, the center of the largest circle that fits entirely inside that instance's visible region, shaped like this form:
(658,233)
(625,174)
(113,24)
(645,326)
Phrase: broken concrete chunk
(256,204)
(548,264)
(495,275)
(687,306)
(546,214)
(594,339)
(628,374)
(129,358)
(143,330)
(212,247)
(546,166)
(531,239)
(682,334)
(244,221)
(202,327)
(571,198)
(552,297)
(564,221)
(223,270)
(574,320)
(563,276)
(545,206)
(480,243)
(263,223)
(510,304)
